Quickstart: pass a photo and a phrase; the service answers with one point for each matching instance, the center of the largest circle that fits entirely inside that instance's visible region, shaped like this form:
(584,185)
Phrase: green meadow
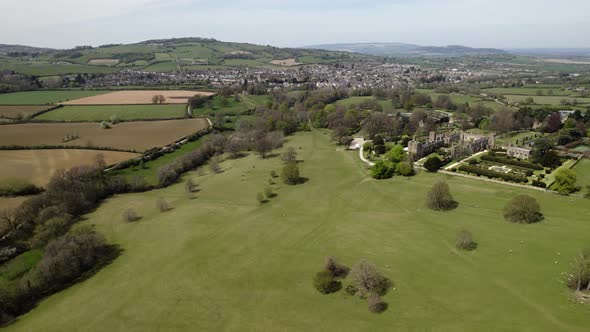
(122,112)
(45,97)
(222,261)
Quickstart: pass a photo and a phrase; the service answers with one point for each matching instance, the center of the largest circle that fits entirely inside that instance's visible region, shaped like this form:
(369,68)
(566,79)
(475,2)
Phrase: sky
(294,23)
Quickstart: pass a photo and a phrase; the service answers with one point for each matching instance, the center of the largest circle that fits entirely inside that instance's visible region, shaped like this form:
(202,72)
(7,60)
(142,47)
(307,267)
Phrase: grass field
(136,136)
(16,111)
(528,91)
(132,97)
(547,100)
(221,261)
(511,138)
(233,107)
(122,112)
(38,166)
(582,170)
(44,97)
(386,104)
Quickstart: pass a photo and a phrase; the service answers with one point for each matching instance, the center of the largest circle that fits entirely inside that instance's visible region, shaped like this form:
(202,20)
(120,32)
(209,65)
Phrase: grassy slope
(123,112)
(582,170)
(222,262)
(44,97)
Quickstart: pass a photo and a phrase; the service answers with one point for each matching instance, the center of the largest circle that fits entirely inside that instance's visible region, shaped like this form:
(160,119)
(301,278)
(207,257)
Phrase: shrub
(325,283)
(350,290)
(189,186)
(404,169)
(260,198)
(367,279)
(105,125)
(337,270)
(396,154)
(523,209)
(290,156)
(375,304)
(439,198)
(565,181)
(130,215)
(162,205)
(539,184)
(274,174)
(433,164)
(464,240)
(382,170)
(472,162)
(268,192)
(290,174)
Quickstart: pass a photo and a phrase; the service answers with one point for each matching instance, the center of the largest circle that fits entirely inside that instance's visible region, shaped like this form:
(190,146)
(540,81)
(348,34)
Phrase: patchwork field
(16,111)
(44,97)
(136,136)
(286,62)
(122,112)
(138,97)
(222,261)
(38,166)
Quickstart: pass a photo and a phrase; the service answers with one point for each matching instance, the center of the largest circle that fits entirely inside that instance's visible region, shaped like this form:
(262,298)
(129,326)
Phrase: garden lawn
(223,262)
(122,112)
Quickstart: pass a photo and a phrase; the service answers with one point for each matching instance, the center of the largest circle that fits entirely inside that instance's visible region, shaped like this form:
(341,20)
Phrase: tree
(383,169)
(9,222)
(404,169)
(325,283)
(375,304)
(290,156)
(553,123)
(158,99)
(130,215)
(396,154)
(163,205)
(579,276)
(290,173)
(367,279)
(260,198)
(439,198)
(198,101)
(189,186)
(565,181)
(263,145)
(503,121)
(337,270)
(268,192)
(523,209)
(433,164)
(464,240)
(376,124)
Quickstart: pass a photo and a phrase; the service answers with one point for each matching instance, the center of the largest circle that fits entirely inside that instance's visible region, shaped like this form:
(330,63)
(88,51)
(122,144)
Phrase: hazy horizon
(477,23)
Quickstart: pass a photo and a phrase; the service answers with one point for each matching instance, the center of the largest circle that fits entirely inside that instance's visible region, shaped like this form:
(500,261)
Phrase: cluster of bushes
(365,281)
(514,162)
(395,163)
(44,221)
(18,188)
(439,198)
(492,174)
(433,164)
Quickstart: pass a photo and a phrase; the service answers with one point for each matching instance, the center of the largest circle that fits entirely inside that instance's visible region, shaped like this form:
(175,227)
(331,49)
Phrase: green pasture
(45,97)
(122,112)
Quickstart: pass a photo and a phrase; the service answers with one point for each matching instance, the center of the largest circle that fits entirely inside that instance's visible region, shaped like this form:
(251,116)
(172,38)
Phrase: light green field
(222,262)
(385,103)
(123,112)
(547,100)
(511,138)
(44,97)
(528,91)
(582,170)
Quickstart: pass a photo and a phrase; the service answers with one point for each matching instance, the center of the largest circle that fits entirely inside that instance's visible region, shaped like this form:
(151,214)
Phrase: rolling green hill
(165,55)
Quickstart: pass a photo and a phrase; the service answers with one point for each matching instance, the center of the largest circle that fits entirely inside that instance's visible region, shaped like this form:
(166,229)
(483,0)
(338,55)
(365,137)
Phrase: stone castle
(458,144)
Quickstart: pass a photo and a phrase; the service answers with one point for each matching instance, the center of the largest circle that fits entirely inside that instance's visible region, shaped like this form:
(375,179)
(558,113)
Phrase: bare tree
(337,270)
(367,279)
(158,99)
(9,222)
(376,124)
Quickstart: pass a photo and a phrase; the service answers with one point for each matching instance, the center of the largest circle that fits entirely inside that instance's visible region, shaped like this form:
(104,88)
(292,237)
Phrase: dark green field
(122,112)
(44,97)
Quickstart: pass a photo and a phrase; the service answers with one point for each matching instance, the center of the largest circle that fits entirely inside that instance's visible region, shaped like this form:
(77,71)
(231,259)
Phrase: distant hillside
(165,55)
(5,49)
(408,50)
